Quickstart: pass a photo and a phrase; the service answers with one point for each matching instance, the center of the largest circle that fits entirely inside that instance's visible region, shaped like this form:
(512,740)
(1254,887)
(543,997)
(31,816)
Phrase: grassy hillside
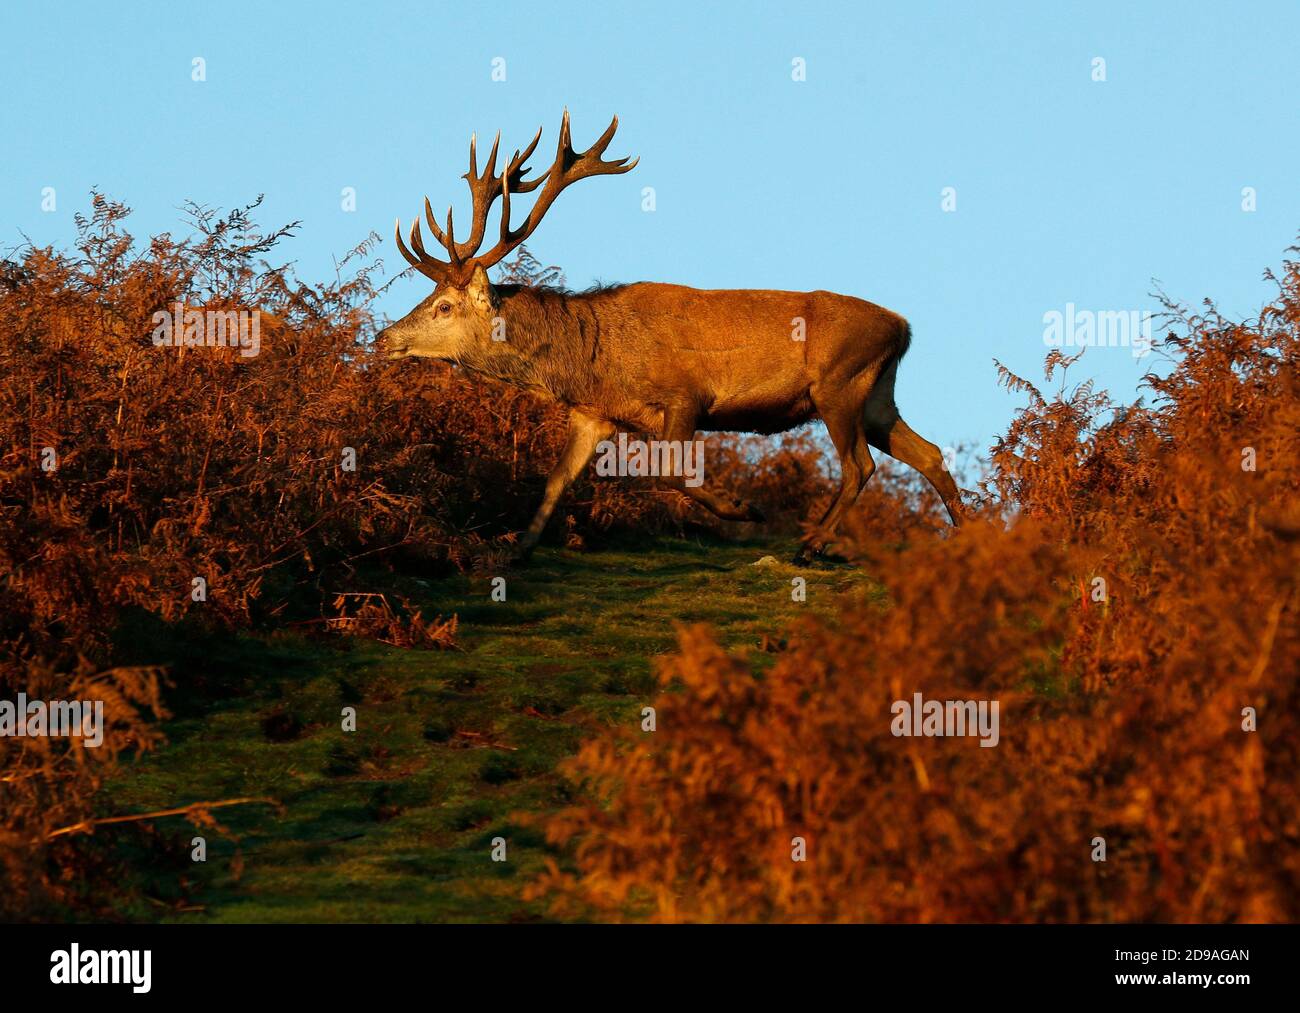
(394,822)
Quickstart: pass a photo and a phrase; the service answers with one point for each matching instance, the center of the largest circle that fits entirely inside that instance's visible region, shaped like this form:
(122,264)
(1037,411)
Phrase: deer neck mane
(551,338)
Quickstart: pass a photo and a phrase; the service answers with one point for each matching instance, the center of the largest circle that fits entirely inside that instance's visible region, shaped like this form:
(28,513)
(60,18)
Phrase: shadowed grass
(395,821)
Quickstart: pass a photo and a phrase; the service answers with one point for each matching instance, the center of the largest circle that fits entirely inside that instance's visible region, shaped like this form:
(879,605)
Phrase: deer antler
(568,167)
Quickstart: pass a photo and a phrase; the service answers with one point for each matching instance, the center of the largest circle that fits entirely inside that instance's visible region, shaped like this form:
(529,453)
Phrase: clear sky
(1068,189)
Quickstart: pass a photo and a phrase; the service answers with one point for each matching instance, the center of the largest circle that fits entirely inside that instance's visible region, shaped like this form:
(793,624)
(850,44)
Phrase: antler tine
(602,143)
(486,187)
(426,265)
(490,170)
(417,241)
(528,151)
(453,252)
(568,168)
(483,191)
(565,144)
(505,206)
(433,223)
(517,168)
(407,255)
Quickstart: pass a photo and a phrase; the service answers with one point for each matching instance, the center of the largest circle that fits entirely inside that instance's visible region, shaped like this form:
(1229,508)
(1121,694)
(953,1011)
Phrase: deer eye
(443,309)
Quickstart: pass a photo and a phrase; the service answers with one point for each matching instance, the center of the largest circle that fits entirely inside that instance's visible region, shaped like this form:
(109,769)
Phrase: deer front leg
(585,432)
(679,426)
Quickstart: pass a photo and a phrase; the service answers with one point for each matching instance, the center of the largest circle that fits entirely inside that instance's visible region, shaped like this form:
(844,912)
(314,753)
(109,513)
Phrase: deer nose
(390,343)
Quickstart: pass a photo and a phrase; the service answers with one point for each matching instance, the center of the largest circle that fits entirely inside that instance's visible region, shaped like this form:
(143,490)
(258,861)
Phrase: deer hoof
(815,554)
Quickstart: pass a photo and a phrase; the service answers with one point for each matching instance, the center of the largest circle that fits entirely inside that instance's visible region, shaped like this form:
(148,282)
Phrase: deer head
(456,322)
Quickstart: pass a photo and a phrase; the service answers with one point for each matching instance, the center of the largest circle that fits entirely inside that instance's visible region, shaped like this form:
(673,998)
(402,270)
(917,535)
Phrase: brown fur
(670,360)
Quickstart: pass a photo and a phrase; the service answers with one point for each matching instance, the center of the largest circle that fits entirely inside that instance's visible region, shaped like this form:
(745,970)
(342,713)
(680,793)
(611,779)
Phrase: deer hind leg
(679,426)
(843,418)
(887,431)
(585,432)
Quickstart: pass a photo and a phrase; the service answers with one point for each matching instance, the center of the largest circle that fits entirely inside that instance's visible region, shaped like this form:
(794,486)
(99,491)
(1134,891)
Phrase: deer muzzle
(392,344)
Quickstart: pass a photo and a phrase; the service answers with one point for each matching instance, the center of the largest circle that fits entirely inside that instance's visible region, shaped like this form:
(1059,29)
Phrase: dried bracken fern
(1130,600)
(203,485)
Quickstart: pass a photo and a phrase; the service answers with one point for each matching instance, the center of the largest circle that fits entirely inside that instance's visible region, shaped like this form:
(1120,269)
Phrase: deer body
(626,352)
(664,359)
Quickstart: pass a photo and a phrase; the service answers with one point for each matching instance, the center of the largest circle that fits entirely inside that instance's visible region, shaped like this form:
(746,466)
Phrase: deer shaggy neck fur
(552,340)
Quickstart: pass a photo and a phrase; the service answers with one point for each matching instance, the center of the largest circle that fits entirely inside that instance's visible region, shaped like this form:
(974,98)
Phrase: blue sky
(1068,189)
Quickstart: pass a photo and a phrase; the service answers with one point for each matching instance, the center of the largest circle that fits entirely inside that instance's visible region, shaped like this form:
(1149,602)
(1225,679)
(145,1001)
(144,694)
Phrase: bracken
(1157,711)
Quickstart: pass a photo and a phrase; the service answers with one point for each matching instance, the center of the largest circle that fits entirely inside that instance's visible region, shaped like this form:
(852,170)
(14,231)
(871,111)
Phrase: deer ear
(480,289)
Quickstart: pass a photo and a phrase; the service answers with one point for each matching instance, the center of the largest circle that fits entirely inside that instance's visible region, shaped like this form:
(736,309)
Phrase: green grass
(394,821)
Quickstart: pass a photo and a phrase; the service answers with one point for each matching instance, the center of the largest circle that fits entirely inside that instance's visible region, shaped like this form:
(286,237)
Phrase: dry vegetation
(1121,718)
(128,470)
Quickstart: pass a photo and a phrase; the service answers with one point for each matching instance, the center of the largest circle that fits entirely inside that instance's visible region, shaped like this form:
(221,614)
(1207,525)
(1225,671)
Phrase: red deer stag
(661,359)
